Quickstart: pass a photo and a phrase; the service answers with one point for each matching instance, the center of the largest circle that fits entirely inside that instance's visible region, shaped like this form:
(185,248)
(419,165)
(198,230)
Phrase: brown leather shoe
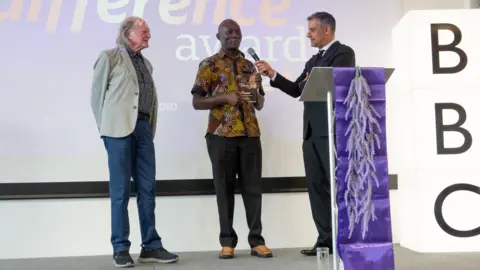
(261,251)
(226,253)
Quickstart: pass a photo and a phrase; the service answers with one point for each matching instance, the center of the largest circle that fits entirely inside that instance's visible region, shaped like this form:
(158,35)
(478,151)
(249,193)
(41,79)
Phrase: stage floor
(284,259)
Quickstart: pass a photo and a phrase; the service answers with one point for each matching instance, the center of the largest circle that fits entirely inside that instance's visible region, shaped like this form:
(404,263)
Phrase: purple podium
(361,223)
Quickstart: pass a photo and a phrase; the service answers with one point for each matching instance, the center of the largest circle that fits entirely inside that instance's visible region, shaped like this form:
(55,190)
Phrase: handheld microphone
(252,52)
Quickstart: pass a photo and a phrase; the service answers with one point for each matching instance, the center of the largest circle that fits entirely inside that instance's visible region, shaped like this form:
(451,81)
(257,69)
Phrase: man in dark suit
(332,53)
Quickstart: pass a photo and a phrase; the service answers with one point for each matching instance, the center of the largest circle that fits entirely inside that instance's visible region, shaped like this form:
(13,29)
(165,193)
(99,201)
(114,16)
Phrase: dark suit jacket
(315,117)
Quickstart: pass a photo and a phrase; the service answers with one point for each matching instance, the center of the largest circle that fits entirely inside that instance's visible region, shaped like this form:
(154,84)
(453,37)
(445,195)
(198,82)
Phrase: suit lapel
(327,56)
(131,68)
(150,70)
(148,65)
(128,63)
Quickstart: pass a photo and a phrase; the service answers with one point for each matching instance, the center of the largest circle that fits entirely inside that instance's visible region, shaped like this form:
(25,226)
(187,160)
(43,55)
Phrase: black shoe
(313,251)
(122,259)
(160,255)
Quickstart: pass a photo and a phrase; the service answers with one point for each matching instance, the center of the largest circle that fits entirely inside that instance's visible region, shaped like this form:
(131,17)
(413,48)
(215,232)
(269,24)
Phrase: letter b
(437,48)
(457,127)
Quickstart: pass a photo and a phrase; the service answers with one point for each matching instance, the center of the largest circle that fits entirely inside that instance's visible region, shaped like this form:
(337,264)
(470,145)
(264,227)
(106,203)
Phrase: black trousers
(317,172)
(229,157)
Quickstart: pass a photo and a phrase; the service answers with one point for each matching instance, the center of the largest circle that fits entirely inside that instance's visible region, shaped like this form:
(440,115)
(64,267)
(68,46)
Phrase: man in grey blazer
(124,103)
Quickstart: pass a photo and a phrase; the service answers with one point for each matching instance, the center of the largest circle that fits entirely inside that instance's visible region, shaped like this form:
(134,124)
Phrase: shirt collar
(222,53)
(326,47)
(129,51)
(132,53)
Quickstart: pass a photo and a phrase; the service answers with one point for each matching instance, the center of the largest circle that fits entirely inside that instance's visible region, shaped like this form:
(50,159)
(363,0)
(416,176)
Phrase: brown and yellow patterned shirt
(217,75)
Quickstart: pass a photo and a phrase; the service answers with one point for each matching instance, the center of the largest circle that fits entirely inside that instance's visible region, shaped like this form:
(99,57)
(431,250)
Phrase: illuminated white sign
(437,97)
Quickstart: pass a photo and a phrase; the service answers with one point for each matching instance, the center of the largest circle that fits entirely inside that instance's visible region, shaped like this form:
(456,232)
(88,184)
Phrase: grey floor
(284,259)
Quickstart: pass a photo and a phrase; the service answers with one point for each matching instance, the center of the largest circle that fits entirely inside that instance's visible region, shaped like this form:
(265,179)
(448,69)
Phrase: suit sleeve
(101,74)
(293,89)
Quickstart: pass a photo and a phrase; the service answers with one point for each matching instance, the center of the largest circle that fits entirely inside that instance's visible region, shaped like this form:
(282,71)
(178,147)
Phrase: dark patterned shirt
(218,75)
(145,83)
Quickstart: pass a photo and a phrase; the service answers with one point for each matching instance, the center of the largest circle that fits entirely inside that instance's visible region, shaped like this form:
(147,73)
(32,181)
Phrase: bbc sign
(437,85)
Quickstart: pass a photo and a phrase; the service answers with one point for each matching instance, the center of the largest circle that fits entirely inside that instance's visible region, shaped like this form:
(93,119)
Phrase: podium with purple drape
(356,101)
(364,238)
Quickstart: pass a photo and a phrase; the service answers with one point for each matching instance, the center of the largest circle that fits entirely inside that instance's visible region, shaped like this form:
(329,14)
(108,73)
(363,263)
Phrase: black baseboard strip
(81,190)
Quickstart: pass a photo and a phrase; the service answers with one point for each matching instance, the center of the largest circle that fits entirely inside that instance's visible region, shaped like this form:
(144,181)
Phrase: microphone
(252,52)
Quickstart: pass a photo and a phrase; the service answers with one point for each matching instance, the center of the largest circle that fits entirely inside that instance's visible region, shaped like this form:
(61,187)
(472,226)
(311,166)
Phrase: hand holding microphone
(262,66)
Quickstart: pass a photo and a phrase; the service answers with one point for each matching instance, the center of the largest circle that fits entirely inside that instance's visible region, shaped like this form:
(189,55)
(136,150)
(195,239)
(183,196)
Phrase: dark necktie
(319,57)
(320,54)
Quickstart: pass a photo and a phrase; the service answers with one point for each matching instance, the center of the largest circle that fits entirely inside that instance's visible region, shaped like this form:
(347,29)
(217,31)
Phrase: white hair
(125,28)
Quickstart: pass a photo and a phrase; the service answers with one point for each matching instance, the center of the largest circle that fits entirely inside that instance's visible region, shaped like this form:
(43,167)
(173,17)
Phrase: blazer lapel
(128,63)
(327,56)
(150,70)
(148,65)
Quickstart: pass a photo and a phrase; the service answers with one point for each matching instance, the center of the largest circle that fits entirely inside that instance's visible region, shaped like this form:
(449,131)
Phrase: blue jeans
(132,157)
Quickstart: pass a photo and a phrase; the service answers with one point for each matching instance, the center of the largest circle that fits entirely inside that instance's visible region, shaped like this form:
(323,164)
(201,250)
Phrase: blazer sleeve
(101,74)
(293,89)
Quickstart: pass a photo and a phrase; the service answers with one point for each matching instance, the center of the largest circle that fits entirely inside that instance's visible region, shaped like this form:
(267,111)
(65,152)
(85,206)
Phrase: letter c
(439,213)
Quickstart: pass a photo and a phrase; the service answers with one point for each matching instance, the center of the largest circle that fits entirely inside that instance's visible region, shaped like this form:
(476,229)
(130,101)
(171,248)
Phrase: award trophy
(249,85)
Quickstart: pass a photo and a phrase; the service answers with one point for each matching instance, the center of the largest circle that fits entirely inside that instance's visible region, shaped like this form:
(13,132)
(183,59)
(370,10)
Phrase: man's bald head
(227,23)
(229,35)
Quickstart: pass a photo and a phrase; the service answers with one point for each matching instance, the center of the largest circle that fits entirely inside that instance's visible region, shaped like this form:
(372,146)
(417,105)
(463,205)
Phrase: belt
(143,116)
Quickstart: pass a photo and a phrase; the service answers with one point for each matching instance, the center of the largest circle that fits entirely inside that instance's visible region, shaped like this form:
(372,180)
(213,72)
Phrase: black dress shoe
(313,251)
(309,252)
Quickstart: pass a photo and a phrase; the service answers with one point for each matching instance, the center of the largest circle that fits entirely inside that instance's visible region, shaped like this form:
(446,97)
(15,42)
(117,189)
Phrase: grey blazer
(114,96)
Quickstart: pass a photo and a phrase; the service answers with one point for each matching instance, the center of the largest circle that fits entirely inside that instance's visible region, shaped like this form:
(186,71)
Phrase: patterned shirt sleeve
(258,79)
(203,79)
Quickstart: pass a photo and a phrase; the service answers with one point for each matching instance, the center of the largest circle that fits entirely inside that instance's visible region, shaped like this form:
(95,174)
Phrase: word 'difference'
(170,12)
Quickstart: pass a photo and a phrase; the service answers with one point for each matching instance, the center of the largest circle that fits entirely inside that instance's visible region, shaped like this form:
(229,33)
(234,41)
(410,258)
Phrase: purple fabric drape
(374,250)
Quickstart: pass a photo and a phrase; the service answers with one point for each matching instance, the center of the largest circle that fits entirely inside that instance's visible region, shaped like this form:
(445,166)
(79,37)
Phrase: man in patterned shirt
(228,85)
